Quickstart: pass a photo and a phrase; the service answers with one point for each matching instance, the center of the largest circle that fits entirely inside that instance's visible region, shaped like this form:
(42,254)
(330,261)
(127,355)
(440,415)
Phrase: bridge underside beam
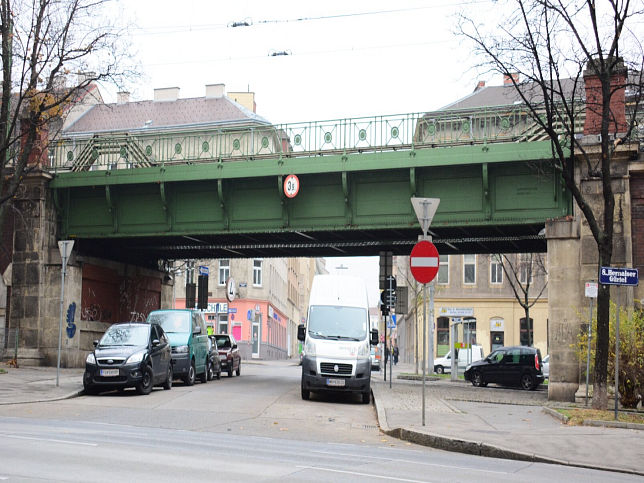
(493,205)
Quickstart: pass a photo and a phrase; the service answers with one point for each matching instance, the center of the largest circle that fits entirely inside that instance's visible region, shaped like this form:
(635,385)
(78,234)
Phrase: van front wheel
(306,395)
(439,369)
(366,396)
(189,379)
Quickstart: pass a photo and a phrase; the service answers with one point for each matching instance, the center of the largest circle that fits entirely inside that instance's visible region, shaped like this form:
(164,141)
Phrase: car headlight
(364,351)
(182,349)
(309,348)
(90,358)
(136,357)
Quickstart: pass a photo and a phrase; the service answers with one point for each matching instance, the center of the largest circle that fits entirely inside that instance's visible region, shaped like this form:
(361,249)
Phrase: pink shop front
(260,330)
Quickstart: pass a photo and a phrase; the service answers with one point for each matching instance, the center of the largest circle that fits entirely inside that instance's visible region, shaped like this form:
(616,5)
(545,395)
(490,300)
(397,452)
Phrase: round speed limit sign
(291,186)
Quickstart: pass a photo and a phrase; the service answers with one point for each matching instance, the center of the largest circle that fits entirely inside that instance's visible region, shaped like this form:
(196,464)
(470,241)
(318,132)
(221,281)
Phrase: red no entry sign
(423,261)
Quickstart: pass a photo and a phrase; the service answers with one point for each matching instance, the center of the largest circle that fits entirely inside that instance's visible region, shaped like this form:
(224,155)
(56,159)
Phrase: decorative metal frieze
(378,133)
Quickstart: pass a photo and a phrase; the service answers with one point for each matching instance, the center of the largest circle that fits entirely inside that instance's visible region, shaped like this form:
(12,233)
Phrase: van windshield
(332,322)
(172,322)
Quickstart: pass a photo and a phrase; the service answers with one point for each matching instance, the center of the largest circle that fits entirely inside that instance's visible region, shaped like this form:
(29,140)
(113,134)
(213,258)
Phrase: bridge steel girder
(495,185)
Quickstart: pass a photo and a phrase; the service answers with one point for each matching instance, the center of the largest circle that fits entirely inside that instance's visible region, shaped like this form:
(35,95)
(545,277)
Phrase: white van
(337,339)
(465,357)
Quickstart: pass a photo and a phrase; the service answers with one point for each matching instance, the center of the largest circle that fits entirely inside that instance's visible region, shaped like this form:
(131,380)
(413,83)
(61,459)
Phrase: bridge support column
(35,275)
(565,297)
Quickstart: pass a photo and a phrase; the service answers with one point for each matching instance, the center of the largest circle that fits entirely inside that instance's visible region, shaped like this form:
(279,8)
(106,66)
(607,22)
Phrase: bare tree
(551,44)
(44,42)
(522,272)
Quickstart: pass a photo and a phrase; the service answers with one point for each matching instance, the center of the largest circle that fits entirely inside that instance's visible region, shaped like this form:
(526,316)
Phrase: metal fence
(512,123)
(350,135)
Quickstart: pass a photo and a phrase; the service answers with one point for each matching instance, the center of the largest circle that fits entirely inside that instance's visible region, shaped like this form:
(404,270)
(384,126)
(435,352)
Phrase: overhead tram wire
(249,23)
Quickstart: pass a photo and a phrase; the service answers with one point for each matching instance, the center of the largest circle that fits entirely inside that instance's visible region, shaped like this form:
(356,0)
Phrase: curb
(71,395)
(483,449)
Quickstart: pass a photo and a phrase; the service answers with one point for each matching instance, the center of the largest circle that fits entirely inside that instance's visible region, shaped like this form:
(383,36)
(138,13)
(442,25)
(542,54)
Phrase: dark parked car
(214,364)
(228,354)
(135,354)
(510,366)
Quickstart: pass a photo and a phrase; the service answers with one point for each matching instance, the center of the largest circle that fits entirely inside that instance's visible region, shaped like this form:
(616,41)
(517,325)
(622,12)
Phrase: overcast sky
(345,59)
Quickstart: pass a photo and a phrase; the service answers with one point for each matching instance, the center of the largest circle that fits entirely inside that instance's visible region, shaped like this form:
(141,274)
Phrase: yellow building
(475,294)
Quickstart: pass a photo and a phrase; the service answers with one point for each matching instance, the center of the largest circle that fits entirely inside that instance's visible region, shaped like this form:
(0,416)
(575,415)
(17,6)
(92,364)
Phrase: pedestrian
(395,355)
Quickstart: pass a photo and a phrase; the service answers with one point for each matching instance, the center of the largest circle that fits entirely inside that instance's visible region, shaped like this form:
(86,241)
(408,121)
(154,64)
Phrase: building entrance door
(497,340)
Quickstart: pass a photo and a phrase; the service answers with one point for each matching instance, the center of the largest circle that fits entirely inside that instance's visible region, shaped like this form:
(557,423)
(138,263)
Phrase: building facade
(476,293)
(270,300)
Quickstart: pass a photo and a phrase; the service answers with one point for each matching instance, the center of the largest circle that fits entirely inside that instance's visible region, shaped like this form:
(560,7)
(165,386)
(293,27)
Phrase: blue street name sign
(618,276)
(203,270)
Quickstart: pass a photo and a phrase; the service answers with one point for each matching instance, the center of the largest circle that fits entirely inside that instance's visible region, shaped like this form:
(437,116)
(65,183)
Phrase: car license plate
(109,372)
(335,382)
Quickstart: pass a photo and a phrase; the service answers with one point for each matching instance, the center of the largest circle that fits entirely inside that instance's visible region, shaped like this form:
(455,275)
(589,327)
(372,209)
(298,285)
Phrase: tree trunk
(600,393)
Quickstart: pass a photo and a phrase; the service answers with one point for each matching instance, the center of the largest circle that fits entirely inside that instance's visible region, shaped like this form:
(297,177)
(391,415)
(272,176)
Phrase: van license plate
(109,372)
(335,382)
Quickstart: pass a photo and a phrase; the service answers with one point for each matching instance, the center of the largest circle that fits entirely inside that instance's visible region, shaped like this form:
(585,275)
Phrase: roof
(159,115)
(507,94)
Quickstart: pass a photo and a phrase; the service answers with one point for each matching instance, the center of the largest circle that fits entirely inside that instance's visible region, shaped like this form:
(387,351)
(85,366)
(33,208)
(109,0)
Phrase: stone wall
(572,261)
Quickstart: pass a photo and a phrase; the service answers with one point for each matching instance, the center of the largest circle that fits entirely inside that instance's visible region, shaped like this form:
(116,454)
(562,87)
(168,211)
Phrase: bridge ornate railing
(257,141)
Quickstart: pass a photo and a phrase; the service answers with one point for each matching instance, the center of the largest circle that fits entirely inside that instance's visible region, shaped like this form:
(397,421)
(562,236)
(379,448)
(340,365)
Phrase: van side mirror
(234,346)
(301,332)
(155,342)
(95,343)
(197,330)
(374,337)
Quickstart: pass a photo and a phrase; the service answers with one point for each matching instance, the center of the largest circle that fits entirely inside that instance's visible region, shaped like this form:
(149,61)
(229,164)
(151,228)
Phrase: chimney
(85,77)
(60,81)
(215,90)
(166,94)
(507,78)
(593,87)
(246,99)
(122,97)
(479,86)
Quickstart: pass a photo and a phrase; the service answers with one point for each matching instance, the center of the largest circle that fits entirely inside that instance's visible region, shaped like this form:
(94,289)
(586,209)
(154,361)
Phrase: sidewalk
(498,422)
(38,384)
(493,421)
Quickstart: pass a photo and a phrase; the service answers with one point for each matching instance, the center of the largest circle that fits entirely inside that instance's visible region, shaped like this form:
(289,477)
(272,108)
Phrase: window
(442,336)
(496,269)
(527,333)
(443,269)
(525,268)
(223,323)
(257,272)
(224,270)
(469,269)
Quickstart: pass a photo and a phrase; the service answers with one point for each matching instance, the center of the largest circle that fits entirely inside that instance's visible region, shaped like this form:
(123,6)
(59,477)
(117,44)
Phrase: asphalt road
(254,427)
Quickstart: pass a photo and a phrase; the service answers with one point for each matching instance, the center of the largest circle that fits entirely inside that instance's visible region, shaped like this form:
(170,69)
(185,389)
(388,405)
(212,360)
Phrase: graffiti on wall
(108,296)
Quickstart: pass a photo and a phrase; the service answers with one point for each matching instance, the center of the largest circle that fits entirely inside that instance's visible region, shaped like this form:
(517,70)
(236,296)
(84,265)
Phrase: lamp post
(65,247)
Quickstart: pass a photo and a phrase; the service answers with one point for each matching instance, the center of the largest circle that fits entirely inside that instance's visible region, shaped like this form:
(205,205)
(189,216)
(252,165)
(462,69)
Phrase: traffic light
(202,295)
(191,291)
(388,298)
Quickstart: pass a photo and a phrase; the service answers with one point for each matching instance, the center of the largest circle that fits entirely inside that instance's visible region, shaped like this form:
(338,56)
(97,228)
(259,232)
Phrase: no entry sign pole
(425,209)
(424,264)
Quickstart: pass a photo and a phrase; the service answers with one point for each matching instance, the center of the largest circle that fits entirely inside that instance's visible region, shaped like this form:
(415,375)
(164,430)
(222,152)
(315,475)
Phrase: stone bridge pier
(33,306)
(573,258)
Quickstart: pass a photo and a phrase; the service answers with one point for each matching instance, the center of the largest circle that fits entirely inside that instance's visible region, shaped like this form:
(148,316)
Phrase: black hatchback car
(135,354)
(509,366)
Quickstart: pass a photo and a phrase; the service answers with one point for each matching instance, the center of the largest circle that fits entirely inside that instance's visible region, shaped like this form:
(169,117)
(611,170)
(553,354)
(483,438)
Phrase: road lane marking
(398,460)
(356,473)
(14,436)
